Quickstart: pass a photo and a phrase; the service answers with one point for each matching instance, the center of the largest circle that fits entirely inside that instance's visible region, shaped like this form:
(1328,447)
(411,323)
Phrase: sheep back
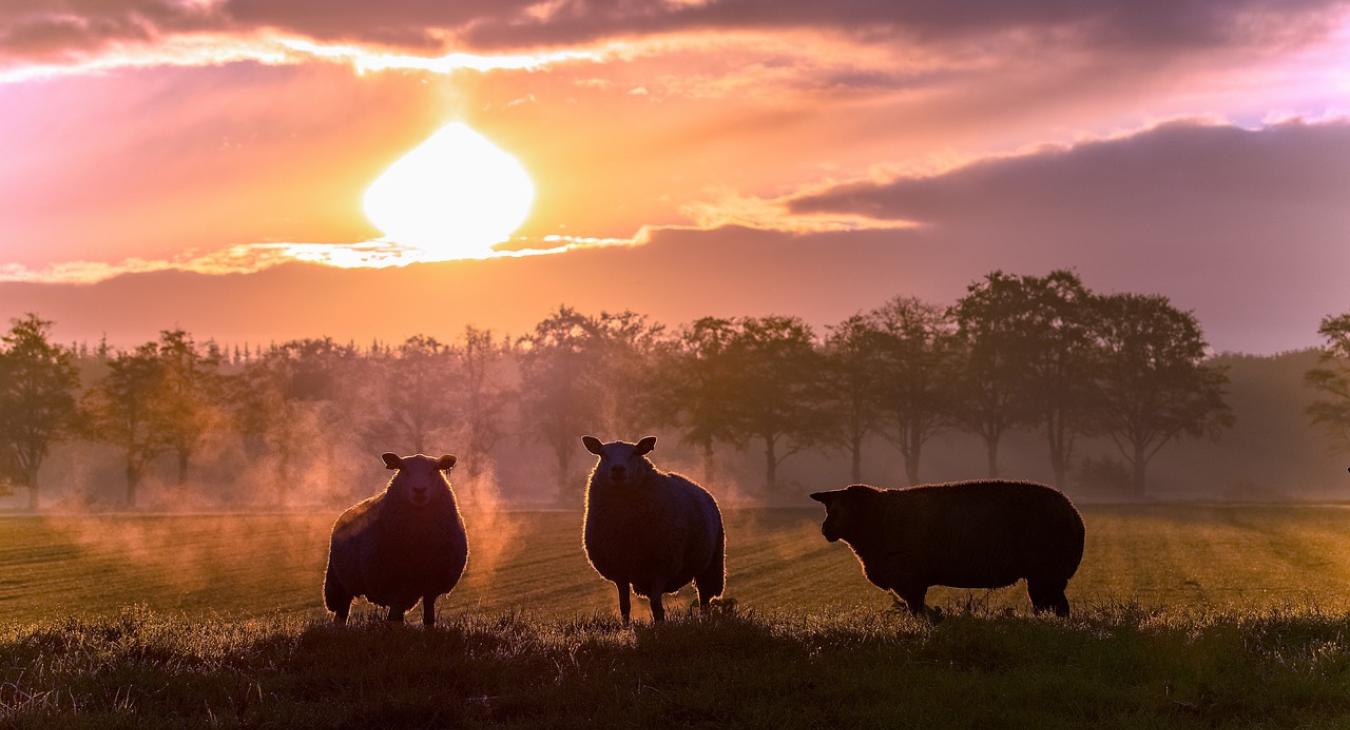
(394,554)
(979,534)
(657,536)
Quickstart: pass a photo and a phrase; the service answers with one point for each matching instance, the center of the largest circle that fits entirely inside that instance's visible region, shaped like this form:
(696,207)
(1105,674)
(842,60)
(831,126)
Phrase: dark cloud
(1181,170)
(1135,23)
(43,30)
(1250,228)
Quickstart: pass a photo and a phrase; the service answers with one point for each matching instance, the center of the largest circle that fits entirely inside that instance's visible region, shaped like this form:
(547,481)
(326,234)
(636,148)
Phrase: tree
(126,409)
(482,398)
(38,382)
(192,387)
(285,398)
(1060,356)
(416,393)
(990,324)
(558,388)
(855,378)
(1154,385)
(1331,378)
(580,373)
(696,381)
(621,348)
(919,362)
(775,392)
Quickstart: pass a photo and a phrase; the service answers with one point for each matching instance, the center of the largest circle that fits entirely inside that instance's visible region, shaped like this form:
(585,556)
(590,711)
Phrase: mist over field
(300,426)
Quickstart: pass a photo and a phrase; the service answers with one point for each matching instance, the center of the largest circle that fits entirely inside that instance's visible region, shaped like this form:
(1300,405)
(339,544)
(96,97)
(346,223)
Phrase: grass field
(1185,616)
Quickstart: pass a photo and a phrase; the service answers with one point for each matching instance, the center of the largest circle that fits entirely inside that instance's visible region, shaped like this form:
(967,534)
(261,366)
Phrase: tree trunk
(991,453)
(184,463)
(1140,464)
(133,481)
(912,453)
(770,465)
(857,459)
(709,462)
(30,480)
(1061,449)
(283,477)
(565,495)
(475,466)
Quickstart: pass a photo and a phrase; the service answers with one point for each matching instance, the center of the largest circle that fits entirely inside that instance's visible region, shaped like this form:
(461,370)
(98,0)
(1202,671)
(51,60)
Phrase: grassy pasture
(1185,616)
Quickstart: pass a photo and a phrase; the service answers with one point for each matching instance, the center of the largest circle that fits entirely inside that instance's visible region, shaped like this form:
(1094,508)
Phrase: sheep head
(620,462)
(420,478)
(842,508)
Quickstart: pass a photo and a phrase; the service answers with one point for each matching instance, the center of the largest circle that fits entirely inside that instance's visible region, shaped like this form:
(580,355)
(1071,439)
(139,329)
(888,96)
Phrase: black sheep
(980,534)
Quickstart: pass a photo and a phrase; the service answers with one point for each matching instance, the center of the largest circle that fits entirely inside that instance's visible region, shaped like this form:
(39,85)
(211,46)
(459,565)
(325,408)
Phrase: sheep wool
(980,534)
(403,545)
(649,530)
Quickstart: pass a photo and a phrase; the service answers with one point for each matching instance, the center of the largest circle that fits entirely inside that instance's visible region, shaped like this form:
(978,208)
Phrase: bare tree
(483,397)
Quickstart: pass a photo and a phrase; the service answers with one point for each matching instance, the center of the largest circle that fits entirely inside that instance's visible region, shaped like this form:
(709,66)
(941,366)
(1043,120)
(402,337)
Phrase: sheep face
(621,462)
(844,510)
(836,513)
(420,479)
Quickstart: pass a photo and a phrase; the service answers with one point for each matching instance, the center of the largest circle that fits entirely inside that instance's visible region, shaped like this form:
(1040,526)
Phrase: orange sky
(144,135)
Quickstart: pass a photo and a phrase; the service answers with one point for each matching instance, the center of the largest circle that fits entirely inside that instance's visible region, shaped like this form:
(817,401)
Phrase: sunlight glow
(452,197)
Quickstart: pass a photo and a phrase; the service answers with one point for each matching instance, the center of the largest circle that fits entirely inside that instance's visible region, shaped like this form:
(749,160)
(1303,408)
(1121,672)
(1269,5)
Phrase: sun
(452,197)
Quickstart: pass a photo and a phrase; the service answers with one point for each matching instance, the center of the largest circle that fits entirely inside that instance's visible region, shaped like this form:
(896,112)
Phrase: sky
(203,163)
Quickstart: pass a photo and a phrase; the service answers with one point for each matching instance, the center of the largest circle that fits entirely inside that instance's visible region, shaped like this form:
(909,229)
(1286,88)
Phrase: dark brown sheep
(403,545)
(982,534)
(650,530)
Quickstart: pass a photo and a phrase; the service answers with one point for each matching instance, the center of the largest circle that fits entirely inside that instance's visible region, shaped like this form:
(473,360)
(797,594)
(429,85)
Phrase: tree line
(1015,352)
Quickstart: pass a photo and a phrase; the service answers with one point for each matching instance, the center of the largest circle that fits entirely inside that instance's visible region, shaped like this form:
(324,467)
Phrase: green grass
(1185,616)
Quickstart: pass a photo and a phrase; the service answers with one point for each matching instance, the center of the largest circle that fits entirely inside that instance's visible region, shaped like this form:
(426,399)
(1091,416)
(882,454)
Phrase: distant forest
(1111,397)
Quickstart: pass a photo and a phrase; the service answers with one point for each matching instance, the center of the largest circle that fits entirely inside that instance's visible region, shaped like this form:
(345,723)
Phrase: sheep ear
(593,444)
(827,498)
(446,462)
(391,460)
(646,445)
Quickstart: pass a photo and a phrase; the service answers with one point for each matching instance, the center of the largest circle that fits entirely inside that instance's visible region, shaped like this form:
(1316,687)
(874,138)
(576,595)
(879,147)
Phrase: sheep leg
(658,611)
(395,614)
(913,596)
(625,601)
(335,598)
(428,610)
(1048,595)
(340,613)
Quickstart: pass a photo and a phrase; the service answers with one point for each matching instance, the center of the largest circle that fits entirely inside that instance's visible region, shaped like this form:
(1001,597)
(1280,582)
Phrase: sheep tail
(713,579)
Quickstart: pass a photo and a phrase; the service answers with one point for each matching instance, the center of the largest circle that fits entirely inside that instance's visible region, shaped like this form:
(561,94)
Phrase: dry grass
(1186,616)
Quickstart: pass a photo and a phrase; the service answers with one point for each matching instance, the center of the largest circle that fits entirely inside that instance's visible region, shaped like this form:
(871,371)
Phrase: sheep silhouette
(982,534)
(403,545)
(650,530)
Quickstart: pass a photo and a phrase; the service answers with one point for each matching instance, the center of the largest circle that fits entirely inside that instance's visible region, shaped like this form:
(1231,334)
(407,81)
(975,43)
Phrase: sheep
(650,530)
(403,545)
(981,534)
